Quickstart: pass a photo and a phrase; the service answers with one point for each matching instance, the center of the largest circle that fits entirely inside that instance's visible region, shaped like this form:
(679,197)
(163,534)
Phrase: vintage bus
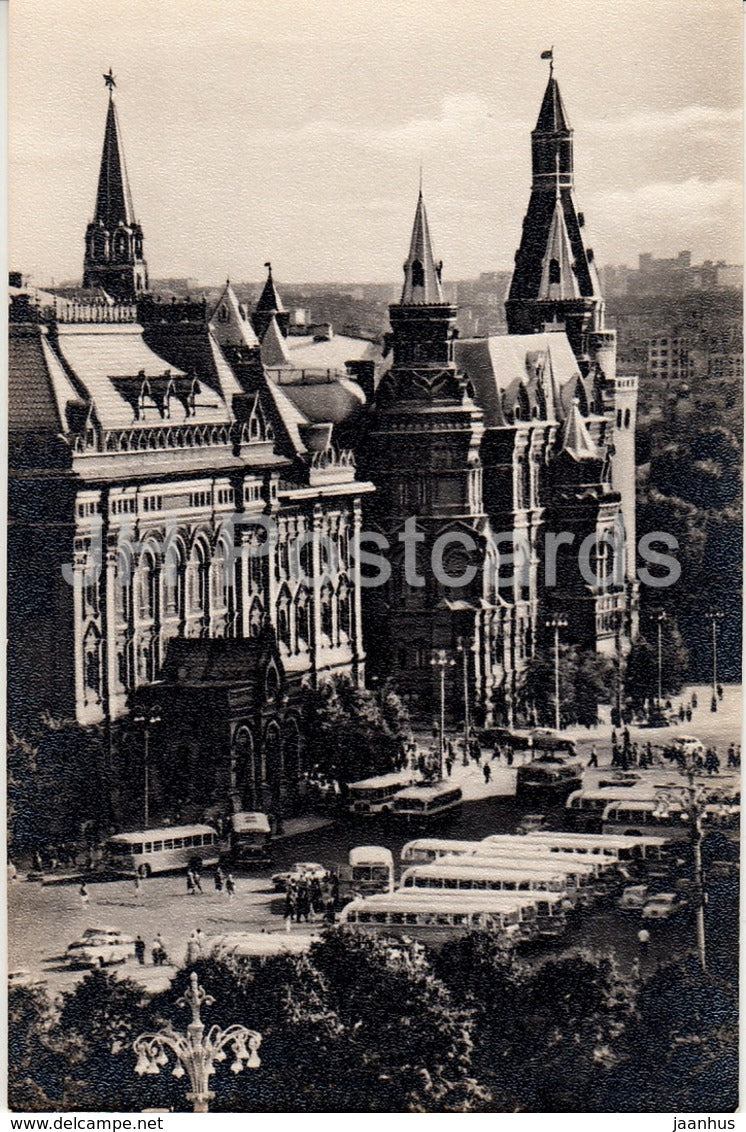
(653,852)
(372,796)
(548,777)
(582,879)
(494,877)
(427,804)
(584,808)
(149,851)
(665,819)
(371,869)
(434,921)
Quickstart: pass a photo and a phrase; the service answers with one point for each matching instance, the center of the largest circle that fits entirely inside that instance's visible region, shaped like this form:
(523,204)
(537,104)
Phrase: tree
(35,1073)
(641,669)
(350,735)
(585,679)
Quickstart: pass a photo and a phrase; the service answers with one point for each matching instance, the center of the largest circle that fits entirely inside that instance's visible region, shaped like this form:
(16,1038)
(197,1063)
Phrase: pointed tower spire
(274,352)
(555,276)
(114,243)
(268,305)
(421,273)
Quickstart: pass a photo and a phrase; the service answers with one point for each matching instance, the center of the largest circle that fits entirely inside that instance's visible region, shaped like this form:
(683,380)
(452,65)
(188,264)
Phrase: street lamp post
(714,617)
(618,623)
(462,648)
(146,721)
(196,1051)
(660,617)
(441,660)
(557,623)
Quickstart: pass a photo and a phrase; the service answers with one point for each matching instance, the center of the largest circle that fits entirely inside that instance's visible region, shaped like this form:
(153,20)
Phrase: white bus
(371,869)
(541,913)
(581,878)
(584,808)
(427,804)
(490,878)
(669,819)
(423,850)
(147,851)
(434,922)
(374,795)
(651,849)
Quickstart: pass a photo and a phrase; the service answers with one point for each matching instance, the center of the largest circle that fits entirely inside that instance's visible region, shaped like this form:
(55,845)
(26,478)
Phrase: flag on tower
(548,54)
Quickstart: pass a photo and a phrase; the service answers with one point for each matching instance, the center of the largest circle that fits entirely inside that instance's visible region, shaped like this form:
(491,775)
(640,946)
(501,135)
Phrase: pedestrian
(230,887)
(218,879)
(140,950)
(509,756)
(289,906)
(197,882)
(731,756)
(593,760)
(315,896)
(334,884)
(689,715)
(83,894)
(190,883)
(486,771)
(449,766)
(682,712)
(157,951)
(138,886)
(643,938)
(694,701)
(720,691)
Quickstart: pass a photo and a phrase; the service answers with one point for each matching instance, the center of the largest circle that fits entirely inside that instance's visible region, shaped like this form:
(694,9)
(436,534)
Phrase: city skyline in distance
(320,176)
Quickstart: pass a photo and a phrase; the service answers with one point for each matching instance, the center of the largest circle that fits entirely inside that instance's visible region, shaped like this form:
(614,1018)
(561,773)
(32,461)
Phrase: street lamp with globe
(195,1051)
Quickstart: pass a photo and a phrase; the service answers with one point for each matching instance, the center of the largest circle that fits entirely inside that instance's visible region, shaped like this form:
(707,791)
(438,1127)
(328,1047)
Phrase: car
(531,822)
(688,746)
(300,870)
(634,898)
(99,947)
(663,906)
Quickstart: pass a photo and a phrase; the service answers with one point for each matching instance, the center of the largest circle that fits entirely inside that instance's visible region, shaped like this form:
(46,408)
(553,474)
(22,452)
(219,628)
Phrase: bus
(584,808)
(540,913)
(250,838)
(581,878)
(371,869)
(372,796)
(493,877)
(148,851)
(435,921)
(423,850)
(648,849)
(427,804)
(548,777)
(664,819)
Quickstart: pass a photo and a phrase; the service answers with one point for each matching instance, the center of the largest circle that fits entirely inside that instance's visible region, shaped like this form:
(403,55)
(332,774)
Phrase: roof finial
(110,82)
(420,176)
(268,266)
(550,56)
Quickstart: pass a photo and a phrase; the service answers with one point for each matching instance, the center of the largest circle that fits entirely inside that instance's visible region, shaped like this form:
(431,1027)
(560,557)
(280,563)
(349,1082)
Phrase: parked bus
(541,913)
(250,837)
(584,808)
(664,819)
(649,849)
(372,796)
(149,851)
(427,804)
(423,850)
(371,869)
(581,878)
(434,922)
(494,877)
(548,777)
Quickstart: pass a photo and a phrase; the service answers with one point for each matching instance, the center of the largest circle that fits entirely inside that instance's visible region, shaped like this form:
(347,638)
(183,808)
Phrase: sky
(294,130)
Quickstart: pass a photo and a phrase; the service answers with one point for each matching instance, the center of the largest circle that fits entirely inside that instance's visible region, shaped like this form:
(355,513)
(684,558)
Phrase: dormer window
(418,274)
(223,314)
(554,271)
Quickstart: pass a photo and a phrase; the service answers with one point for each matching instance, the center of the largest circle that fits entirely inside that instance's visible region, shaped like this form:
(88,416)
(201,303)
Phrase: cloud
(682,120)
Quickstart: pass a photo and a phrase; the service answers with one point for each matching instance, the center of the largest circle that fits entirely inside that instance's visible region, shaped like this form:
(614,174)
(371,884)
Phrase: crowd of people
(307,897)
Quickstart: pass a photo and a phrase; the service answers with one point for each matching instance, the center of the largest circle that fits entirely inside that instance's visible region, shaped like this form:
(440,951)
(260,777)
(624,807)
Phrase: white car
(300,870)
(663,906)
(688,746)
(98,947)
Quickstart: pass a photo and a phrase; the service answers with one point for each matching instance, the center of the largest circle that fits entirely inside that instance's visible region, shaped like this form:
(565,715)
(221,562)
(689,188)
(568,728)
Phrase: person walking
(138,886)
(694,701)
(190,883)
(83,894)
(289,906)
(218,879)
(140,950)
(449,765)
(593,760)
(643,938)
(487,772)
(157,951)
(197,882)
(230,887)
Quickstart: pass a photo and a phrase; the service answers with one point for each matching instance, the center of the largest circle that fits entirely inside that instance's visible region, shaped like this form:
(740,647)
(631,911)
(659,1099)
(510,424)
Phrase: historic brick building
(523,437)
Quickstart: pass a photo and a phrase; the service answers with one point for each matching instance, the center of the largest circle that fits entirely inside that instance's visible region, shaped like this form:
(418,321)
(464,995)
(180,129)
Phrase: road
(44,919)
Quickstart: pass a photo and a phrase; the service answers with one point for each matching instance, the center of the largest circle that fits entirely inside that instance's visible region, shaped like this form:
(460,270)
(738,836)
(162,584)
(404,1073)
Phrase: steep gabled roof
(113,199)
(558,279)
(274,351)
(229,322)
(576,440)
(421,275)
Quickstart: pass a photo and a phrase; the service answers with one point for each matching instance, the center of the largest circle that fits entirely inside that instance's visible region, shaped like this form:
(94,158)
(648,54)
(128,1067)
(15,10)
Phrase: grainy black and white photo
(374,558)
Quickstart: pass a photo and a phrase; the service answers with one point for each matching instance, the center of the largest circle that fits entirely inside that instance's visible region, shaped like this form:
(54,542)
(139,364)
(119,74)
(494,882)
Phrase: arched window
(626,418)
(554,271)
(619,418)
(343,609)
(255,618)
(283,619)
(326,611)
(92,664)
(418,274)
(197,589)
(123,587)
(173,583)
(220,577)
(223,313)
(302,610)
(147,588)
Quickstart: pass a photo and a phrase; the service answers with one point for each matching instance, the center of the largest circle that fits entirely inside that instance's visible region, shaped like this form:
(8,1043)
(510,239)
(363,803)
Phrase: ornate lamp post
(441,660)
(557,623)
(146,720)
(463,649)
(714,617)
(660,617)
(196,1051)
